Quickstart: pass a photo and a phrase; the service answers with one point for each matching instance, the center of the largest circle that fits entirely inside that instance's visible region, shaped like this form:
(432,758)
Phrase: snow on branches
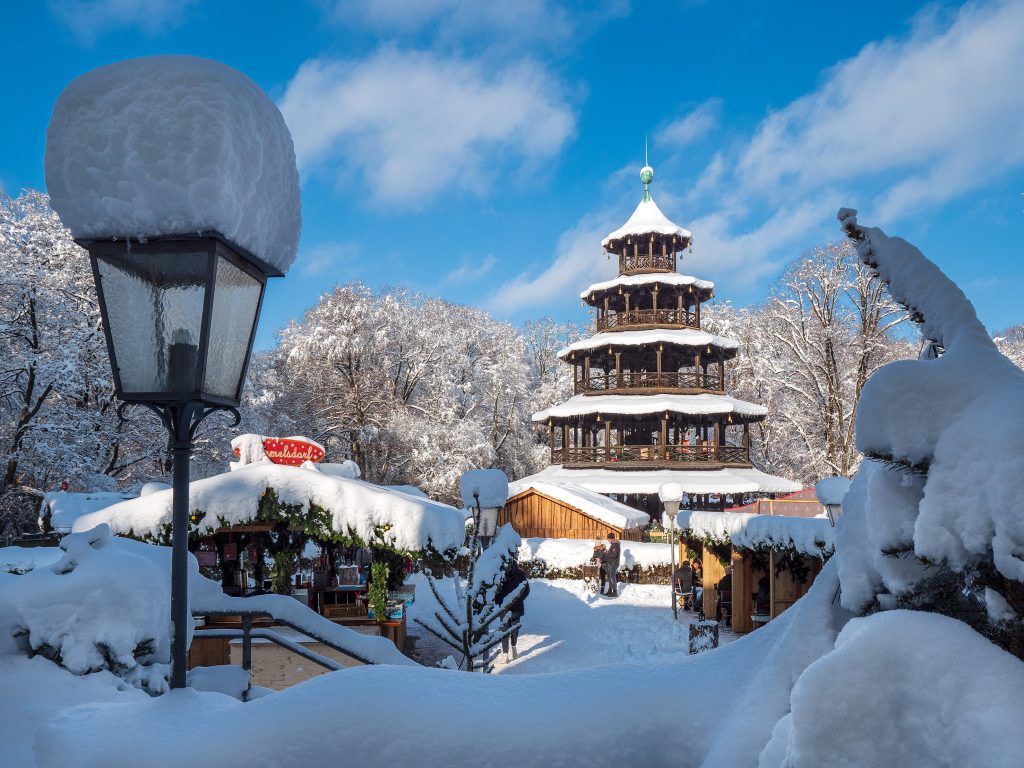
(931,520)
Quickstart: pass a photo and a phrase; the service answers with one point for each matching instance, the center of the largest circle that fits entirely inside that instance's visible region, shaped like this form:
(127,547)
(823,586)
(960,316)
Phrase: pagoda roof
(643,405)
(724,481)
(684,337)
(647,219)
(649,278)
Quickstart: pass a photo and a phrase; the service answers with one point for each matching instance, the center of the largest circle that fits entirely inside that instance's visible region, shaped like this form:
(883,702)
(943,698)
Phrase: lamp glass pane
(154,304)
(235,301)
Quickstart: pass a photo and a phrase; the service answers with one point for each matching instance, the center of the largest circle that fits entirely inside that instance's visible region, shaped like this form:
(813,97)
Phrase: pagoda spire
(646,175)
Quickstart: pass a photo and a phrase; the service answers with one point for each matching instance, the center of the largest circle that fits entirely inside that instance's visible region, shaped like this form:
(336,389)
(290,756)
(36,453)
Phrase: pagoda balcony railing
(647,456)
(644,262)
(685,382)
(634,318)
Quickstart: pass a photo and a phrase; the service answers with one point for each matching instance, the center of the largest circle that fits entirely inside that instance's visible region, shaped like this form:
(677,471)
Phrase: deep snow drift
(174,145)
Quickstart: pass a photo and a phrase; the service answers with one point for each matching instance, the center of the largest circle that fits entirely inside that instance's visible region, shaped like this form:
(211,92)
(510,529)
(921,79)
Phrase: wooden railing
(705,456)
(643,262)
(642,317)
(645,380)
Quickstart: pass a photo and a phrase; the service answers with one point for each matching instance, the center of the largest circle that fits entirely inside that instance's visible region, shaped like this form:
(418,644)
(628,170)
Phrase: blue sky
(479,151)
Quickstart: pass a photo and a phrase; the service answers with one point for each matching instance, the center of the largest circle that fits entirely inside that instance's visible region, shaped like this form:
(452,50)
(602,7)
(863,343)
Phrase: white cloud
(578,262)
(414,124)
(325,258)
(942,109)
(470,270)
(693,126)
(88,19)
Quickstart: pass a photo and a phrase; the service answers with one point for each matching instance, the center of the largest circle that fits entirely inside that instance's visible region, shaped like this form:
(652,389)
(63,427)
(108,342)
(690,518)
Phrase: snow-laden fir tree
(931,521)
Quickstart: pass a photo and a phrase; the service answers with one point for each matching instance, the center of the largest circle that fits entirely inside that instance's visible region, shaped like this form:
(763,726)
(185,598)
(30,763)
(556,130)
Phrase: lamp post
(179,314)
(830,492)
(671,494)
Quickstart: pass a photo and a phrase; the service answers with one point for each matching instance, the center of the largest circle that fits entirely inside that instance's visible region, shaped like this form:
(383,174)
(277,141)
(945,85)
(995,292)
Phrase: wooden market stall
(772,561)
(559,511)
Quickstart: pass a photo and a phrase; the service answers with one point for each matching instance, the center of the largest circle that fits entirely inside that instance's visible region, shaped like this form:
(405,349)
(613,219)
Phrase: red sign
(289,450)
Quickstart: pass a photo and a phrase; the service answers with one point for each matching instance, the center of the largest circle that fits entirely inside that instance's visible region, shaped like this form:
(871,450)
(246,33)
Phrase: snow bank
(562,554)
(639,405)
(683,337)
(488,486)
(594,504)
(916,689)
(19,560)
(554,719)
(62,508)
(958,415)
(167,145)
(812,536)
(353,505)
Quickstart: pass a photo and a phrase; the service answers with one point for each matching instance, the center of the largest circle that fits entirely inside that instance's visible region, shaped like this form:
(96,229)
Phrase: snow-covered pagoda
(650,404)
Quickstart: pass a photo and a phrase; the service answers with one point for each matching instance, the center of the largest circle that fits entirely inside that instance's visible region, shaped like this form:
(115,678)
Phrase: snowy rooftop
(65,507)
(649,278)
(684,337)
(726,481)
(174,145)
(647,219)
(807,535)
(353,505)
(590,503)
(639,405)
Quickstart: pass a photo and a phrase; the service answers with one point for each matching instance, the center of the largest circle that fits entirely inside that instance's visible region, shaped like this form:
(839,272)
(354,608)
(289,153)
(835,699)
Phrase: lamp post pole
(672,556)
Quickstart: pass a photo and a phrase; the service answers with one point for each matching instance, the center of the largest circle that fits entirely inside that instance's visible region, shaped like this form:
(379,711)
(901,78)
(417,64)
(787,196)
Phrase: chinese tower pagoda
(650,404)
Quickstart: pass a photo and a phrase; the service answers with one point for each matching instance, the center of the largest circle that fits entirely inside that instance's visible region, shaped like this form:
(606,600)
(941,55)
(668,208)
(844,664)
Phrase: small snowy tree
(474,623)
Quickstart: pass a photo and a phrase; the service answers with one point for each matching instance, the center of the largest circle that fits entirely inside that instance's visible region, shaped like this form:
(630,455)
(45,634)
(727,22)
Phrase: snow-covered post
(671,494)
(182,237)
(484,493)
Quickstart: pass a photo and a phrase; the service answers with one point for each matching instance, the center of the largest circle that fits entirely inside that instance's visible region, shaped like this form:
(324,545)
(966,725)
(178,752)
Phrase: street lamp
(671,494)
(830,492)
(177,174)
(179,315)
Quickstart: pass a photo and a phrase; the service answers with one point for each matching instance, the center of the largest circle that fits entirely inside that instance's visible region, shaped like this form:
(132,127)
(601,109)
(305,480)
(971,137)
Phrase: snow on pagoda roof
(684,337)
(693,481)
(813,536)
(647,219)
(649,278)
(594,504)
(234,498)
(640,405)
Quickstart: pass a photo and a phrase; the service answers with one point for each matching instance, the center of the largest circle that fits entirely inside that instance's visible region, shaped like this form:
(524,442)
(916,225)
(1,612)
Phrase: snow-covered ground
(567,627)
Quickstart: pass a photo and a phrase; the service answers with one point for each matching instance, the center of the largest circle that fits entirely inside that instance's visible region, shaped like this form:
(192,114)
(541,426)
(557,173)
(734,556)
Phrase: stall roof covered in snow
(174,145)
(64,507)
(354,505)
(649,278)
(637,405)
(683,337)
(807,535)
(647,219)
(725,481)
(590,503)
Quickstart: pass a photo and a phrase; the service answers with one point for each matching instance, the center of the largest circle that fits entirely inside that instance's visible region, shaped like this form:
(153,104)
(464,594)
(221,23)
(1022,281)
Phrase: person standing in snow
(513,579)
(598,558)
(611,559)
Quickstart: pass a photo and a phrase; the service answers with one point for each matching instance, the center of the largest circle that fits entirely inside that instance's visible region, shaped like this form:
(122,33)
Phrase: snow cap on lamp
(174,145)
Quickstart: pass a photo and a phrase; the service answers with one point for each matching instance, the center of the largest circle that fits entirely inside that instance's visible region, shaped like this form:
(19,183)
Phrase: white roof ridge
(639,405)
(644,278)
(684,336)
(647,219)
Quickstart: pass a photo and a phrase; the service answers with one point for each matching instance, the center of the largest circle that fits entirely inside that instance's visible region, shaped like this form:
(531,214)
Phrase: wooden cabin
(556,511)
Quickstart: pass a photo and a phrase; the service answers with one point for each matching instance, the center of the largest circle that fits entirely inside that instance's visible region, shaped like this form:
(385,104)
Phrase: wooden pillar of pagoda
(658,356)
(721,370)
(664,435)
(654,302)
(565,443)
(618,370)
(746,440)
(698,381)
(607,440)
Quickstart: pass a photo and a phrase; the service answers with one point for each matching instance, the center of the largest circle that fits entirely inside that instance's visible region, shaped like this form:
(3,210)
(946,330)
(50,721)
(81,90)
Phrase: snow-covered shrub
(931,521)
(105,604)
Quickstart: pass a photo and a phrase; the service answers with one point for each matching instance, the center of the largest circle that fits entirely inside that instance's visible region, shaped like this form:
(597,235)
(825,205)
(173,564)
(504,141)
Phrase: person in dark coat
(611,559)
(513,579)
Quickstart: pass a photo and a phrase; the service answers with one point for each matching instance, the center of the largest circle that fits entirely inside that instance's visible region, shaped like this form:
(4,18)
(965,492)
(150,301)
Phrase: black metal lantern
(179,315)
